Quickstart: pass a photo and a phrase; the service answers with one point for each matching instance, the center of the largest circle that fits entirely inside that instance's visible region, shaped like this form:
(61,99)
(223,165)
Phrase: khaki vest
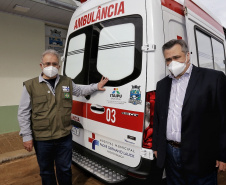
(51,115)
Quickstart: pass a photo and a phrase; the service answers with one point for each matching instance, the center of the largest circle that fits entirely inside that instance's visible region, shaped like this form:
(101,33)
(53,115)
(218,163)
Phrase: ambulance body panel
(122,40)
(107,113)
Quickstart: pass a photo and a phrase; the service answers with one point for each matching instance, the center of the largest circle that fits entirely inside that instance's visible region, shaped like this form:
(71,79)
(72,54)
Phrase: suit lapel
(191,84)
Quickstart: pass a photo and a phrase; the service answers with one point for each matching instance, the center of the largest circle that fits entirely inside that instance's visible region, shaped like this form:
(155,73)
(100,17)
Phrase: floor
(10,142)
(25,171)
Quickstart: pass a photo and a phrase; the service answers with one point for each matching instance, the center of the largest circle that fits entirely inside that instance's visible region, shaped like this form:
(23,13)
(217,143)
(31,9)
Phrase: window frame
(211,36)
(137,53)
(82,76)
(223,50)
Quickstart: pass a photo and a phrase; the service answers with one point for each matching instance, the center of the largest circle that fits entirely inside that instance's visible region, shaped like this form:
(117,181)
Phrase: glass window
(219,57)
(116,51)
(205,55)
(75,56)
(76,65)
(111,48)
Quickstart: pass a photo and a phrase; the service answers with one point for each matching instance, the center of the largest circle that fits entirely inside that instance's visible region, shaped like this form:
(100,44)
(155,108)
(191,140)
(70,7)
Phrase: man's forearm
(84,90)
(24,115)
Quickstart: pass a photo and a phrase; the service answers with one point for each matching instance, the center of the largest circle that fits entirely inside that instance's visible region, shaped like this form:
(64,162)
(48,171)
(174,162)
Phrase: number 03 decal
(110,115)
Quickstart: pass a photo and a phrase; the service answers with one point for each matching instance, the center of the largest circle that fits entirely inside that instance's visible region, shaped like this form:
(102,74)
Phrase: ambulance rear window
(110,48)
(75,56)
(116,51)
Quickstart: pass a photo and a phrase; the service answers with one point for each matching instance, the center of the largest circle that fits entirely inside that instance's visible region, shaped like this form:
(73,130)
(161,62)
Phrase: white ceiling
(42,10)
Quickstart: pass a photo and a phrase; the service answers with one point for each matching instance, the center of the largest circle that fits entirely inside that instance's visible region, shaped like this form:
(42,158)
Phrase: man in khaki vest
(44,116)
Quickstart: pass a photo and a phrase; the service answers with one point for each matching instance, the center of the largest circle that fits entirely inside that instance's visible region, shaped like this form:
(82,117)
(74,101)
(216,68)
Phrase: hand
(28,145)
(221,166)
(102,83)
(156,154)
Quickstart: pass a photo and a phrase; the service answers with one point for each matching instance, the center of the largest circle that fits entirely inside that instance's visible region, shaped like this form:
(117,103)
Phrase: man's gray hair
(51,52)
(173,42)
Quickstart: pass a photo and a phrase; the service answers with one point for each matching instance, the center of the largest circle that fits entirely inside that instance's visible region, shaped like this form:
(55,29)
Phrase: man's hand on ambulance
(102,83)
(221,166)
(28,145)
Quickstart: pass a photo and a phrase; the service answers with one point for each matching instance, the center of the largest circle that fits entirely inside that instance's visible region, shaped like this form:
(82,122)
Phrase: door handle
(97,109)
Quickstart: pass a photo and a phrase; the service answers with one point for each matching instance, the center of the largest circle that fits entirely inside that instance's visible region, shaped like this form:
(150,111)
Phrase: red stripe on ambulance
(111,116)
(197,10)
(118,117)
(79,108)
(173,5)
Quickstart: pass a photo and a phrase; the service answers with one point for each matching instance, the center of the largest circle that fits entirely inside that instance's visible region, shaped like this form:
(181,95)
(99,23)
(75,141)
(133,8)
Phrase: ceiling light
(21,8)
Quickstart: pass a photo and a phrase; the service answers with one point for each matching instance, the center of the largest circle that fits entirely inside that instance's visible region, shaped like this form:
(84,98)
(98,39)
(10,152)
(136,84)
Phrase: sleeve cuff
(95,86)
(27,138)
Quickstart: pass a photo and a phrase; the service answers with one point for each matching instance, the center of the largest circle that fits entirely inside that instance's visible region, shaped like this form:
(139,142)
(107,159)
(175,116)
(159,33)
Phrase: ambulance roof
(197,2)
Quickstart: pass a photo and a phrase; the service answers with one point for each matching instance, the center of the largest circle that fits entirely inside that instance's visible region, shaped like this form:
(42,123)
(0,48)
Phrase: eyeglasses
(54,64)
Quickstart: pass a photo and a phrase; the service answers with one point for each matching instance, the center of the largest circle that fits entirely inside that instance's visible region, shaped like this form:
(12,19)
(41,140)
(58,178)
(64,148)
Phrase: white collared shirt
(177,94)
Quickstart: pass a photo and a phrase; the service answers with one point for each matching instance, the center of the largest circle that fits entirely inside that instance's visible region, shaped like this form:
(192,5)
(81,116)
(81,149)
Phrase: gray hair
(173,42)
(51,52)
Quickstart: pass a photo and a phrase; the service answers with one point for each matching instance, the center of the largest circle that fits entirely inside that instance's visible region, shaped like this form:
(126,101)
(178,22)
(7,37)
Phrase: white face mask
(50,71)
(177,68)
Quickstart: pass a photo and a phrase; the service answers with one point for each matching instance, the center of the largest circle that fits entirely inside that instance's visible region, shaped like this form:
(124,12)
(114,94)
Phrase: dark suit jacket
(203,132)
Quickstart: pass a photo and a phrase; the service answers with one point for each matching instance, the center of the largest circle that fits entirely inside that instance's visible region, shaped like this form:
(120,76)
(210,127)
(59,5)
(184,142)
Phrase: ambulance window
(205,56)
(75,56)
(116,51)
(219,57)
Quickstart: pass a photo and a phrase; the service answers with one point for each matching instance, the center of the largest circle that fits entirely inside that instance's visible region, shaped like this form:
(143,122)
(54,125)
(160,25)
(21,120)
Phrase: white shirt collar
(41,79)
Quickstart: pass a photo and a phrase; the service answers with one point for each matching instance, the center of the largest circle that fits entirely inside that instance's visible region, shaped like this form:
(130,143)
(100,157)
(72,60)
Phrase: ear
(41,66)
(188,56)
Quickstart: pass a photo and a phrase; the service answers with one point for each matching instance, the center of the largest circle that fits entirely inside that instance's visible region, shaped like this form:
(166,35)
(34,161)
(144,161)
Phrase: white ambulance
(122,40)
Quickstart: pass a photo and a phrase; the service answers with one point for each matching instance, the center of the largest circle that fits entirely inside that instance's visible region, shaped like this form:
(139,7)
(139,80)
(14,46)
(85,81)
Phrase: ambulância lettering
(102,13)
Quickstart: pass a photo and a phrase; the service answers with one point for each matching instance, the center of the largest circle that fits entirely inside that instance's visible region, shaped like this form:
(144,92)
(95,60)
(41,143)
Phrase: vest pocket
(67,106)
(41,128)
(40,104)
(67,122)
(67,103)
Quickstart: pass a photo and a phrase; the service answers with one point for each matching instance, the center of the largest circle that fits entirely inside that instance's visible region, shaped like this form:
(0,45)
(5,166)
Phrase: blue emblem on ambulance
(135,95)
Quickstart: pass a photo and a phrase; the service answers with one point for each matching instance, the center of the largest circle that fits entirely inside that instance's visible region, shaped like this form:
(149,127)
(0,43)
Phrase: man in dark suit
(190,120)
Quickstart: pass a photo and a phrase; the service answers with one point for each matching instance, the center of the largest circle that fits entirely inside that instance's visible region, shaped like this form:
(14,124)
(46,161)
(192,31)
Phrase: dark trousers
(175,175)
(58,151)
